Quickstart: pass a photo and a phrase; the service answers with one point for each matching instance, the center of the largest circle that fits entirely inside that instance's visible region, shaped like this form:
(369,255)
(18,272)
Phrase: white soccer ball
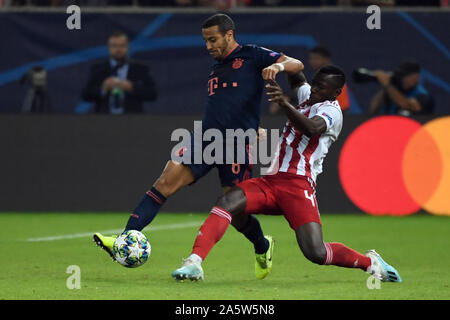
(132,249)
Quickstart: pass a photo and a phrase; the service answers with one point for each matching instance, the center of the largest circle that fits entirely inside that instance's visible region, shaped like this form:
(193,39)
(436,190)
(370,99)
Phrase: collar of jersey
(237,48)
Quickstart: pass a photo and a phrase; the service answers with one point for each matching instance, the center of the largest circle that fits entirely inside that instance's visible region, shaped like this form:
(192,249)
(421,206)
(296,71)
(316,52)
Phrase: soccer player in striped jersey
(312,126)
(233,94)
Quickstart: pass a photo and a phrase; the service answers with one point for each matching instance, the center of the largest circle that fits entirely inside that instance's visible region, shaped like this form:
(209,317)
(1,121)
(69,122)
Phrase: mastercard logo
(393,165)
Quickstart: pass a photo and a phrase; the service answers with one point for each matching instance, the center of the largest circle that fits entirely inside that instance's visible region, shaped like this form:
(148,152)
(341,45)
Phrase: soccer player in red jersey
(312,127)
(233,94)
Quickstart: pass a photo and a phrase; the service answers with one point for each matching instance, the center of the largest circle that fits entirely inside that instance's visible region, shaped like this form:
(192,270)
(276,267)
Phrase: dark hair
(321,50)
(338,76)
(406,68)
(224,22)
(116,34)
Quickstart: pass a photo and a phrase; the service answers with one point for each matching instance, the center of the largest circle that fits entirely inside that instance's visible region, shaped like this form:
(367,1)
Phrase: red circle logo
(394,165)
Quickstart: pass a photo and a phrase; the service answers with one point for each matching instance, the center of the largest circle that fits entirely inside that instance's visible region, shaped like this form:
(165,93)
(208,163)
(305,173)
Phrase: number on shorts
(310,197)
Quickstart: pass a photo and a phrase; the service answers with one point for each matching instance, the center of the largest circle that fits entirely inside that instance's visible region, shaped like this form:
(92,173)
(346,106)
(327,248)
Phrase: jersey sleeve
(265,57)
(303,93)
(331,115)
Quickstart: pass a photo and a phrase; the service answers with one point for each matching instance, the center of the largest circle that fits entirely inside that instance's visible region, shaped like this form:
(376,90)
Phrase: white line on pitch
(87,234)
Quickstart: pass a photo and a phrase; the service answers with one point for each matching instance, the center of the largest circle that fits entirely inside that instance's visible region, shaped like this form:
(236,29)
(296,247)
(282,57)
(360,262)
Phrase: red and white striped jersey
(299,154)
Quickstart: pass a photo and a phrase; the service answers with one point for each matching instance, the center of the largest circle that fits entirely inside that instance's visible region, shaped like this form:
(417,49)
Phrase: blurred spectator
(418,3)
(224,4)
(157,3)
(400,3)
(401,93)
(119,85)
(366,3)
(320,56)
(37,98)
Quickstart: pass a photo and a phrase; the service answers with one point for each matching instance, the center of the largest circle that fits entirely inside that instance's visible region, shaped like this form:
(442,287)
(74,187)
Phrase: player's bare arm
(296,80)
(310,127)
(262,134)
(401,100)
(286,64)
(376,102)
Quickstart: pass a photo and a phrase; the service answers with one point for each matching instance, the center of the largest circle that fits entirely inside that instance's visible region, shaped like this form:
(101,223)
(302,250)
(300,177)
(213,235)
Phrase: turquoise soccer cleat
(189,270)
(380,269)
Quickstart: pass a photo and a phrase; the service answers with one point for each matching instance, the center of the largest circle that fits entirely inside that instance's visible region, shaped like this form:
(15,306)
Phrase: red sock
(340,255)
(211,231)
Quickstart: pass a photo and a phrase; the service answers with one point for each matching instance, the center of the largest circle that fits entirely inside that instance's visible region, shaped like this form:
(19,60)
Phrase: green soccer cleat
(106,243)
(263,263)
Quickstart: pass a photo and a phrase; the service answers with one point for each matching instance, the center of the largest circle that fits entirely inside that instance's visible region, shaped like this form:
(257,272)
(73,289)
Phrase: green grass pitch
(37,249)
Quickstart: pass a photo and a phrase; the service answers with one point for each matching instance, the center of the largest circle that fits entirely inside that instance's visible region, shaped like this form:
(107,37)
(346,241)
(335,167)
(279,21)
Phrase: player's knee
(232,201)
(174,177)
(225,202)
(315,254)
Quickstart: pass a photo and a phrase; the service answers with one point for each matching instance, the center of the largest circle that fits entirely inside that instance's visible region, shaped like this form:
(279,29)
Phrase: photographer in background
(400,93)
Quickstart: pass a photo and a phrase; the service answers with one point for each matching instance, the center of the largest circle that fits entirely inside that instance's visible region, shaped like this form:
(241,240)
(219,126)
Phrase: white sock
(196,258)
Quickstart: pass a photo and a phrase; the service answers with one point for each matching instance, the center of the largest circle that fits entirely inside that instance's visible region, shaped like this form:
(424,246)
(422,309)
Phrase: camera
(362,75)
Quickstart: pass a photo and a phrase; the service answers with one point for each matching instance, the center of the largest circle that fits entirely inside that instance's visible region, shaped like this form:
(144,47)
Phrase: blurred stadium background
(69,159)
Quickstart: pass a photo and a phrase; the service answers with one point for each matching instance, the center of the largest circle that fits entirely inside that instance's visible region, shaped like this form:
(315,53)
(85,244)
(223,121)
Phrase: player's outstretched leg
(309,238)
(230,205)
(174,177)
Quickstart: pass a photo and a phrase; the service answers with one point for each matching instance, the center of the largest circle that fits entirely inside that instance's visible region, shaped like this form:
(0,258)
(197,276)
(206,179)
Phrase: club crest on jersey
(237,63)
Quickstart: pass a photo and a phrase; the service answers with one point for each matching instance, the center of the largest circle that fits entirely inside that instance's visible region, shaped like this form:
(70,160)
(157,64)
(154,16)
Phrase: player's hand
(262,134)
(109,83)
(275,93)
(383,77)
(126,85)
(270,72)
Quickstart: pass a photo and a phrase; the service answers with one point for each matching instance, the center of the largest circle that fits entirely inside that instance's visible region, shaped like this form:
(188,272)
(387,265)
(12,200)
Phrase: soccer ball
(131,249)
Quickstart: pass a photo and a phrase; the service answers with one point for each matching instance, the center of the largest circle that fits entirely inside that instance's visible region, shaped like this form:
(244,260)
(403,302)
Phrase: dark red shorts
(282,194)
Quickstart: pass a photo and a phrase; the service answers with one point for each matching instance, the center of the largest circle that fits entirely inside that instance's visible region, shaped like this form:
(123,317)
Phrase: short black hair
(224,22)
(116,34)
(321,50)
(337,73)
(407,67)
